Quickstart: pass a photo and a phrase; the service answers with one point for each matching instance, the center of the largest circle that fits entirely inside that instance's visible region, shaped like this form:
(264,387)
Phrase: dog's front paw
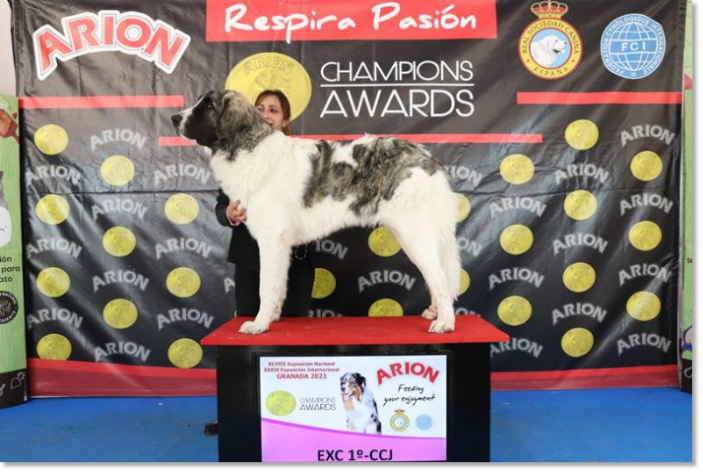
(442,326)
(430,313)
(252,328)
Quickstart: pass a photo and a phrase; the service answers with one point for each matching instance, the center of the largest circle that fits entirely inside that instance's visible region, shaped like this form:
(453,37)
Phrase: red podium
(354,389)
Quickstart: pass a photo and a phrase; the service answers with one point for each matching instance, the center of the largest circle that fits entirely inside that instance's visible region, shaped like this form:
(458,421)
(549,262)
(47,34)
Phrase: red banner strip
(79,378)
(597,98)
(106,101)
(419,138)
(635,377)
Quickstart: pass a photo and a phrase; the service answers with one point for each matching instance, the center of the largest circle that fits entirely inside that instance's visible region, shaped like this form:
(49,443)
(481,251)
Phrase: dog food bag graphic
(5,217)
(353,408)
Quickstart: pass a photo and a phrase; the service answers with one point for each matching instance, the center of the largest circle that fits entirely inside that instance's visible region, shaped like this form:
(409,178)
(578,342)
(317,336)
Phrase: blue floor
(614,425)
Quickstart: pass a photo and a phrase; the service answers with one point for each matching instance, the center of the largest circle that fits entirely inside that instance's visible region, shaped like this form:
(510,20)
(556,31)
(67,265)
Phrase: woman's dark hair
(285,105)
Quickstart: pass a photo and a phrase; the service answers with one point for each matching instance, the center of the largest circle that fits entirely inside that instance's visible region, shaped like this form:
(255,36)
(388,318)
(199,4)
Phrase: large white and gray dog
(299,190)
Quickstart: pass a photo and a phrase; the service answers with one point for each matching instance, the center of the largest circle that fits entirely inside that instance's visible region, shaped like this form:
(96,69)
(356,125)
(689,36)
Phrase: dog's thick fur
(298,190)
(359,405)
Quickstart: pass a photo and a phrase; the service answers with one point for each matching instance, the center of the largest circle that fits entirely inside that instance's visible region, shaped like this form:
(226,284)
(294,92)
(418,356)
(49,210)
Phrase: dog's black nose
(176,119)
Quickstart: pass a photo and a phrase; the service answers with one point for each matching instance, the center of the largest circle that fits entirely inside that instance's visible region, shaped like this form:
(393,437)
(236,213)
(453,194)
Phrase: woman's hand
(236,214)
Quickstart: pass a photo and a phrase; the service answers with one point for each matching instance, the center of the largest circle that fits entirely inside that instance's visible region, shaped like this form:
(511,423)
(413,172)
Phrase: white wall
(7,65)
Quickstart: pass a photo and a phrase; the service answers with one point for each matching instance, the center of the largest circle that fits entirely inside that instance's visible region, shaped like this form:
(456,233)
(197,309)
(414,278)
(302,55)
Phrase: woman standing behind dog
(274,108)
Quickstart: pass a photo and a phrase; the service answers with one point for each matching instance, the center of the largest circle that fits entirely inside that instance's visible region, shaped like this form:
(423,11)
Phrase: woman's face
(271,111)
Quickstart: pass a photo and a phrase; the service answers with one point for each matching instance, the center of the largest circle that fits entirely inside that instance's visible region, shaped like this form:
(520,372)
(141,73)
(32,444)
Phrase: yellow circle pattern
(117,170)
(463,207)
(383,243)
(386,308)
(515,310)
(517,169)
(120,313)
(580,205)
(581,134)
(645,235)
(644,306)
(51,139)
(53,282)
(465,282)
(119,241)
(324,285)
(54,347)
(516,239)
(52,209)
(181,209)
(577,342)
(185,353)
(579,277)
(646,166)
(183,282)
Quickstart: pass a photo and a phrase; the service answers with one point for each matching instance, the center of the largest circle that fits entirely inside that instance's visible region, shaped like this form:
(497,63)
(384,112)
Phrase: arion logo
(131,33)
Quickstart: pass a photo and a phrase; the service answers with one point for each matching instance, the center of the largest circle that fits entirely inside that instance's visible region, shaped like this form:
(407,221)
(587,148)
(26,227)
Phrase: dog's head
(352,385)
(554,44)
(217,116)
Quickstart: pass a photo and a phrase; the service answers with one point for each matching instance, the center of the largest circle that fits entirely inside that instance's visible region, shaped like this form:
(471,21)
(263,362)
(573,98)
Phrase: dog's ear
(360,379)
(228,118)
(236,114)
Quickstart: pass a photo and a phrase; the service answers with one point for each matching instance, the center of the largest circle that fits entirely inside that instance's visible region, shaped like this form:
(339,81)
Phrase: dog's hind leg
(423,248)
(431,312)
(275,261)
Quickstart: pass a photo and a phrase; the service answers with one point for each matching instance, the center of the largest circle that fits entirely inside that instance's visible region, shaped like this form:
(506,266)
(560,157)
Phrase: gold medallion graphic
(516,239)
(51,139)
(52,209)
(463,206)
(183,282)
(580,205)
(646,166)
(324,285)
(272,71)
(185,353)
(644,306)
(119,241)
(181,209)
(53,282)
(54,347)
(517,169)
(280,403)
(579,277)
(550,48)
(386,308)
(383,243)
(515,310)
(577,342)
(645,235)
(120,313)
(582,134)
(117,170)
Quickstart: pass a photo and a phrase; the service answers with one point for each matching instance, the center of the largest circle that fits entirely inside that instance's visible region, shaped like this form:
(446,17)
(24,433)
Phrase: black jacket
(243,249)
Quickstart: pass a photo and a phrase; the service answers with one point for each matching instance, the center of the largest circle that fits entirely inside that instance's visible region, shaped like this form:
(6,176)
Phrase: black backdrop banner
(559,124)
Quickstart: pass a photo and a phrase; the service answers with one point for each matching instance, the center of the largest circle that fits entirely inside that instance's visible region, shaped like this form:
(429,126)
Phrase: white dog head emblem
(545,51)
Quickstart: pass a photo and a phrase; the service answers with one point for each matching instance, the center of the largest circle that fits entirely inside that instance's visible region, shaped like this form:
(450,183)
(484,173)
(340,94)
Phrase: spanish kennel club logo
(550,48)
